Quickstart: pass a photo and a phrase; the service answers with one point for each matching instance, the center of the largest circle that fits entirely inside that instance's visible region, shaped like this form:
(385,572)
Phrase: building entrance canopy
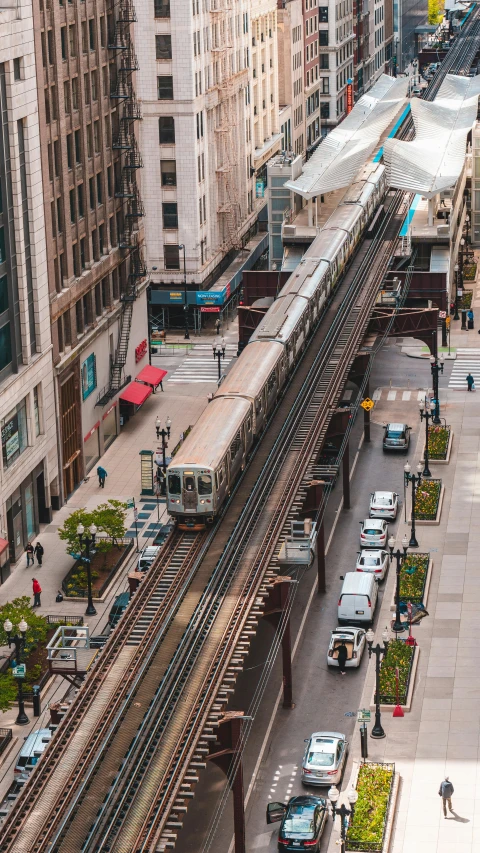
(344,151)
(433,161)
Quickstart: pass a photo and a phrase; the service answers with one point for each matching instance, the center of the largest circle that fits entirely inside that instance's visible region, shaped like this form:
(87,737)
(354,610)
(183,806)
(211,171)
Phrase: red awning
(136,393)
(151,375)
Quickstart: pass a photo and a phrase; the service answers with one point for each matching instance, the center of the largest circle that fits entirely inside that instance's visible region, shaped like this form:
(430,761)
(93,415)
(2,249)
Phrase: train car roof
(213,433)
(345,216)
(281,319)
(325,247)
(306,278)
(249,374)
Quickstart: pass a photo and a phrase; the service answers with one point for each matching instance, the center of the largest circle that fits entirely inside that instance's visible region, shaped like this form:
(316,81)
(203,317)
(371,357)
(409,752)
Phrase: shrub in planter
(427,497)
(367,827)
(438,438)
(469,272)
(398,655)
(465,300)
(413,575)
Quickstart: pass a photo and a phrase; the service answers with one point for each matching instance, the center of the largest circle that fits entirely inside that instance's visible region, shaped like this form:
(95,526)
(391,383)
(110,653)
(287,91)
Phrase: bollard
(364,741)
(37,706)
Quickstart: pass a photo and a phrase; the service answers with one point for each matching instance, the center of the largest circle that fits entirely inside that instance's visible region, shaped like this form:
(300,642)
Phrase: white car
(384,505)
(375,562)
(373,533)
(354,639)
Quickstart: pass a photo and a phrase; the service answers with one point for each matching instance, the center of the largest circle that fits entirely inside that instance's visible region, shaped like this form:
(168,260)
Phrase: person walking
(470,317)
(470,382)
(445,792)
(36,592)
(342,658)
(39,552)
(30,554)
(217,325)
(101,473)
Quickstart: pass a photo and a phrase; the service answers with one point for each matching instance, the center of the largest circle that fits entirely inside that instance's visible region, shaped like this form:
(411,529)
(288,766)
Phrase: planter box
(447,457)
(417,599)
(407,706)
(99,594)
(436,520)
(353,845)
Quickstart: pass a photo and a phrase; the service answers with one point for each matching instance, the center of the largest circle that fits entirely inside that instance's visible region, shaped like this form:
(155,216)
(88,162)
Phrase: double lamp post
(18,641)
(342,811)
(86,553)
(219,353)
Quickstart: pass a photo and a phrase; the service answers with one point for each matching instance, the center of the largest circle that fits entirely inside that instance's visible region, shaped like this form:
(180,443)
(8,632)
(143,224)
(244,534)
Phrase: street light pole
(436,368)
(163,434)
(398,625)
(219,353)
(185,306)
(19,642)
(426,415)
(415,481)
(87,542)
(455,316)
(379,652)
(343,812)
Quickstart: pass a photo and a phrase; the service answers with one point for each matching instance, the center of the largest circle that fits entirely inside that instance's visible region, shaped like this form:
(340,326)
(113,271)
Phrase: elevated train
(201,476)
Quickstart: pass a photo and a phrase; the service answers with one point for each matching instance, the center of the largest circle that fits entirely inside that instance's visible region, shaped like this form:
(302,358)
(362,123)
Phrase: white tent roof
(433,161)
(343,152)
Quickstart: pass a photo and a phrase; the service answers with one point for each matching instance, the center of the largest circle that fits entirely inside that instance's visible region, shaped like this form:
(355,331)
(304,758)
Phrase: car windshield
(372,531)
(299,820)
(393,433)
(382,501)
(369,561)
(320,759)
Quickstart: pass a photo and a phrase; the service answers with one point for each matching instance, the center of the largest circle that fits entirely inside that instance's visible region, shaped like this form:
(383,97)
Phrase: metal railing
(5,738)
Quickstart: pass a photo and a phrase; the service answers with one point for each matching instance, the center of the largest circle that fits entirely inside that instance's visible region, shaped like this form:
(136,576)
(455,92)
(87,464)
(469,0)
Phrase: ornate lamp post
(379,652)
(219,353)
(436,368)
(455,316)
(342,811)
(426,415)
(163,433)
(415,481)
(86,542)
(19,642)
(398,625)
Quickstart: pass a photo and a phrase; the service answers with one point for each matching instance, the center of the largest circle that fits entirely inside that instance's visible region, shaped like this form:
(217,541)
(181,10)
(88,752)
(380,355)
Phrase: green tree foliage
(108,518)
(15,611)
(8,691)
(435,9)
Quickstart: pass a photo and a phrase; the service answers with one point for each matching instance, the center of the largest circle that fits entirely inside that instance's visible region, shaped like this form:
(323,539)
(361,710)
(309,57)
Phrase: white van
(358,598)
(32,750)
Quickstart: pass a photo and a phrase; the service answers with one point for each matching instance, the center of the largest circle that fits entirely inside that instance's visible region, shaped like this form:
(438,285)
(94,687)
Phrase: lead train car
(204,470)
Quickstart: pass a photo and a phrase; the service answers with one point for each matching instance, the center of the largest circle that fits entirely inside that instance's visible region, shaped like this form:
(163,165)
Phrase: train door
(189,491)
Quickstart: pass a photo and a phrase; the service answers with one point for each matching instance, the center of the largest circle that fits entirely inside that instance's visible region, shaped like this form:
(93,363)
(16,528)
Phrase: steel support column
(366,417)
(346,475)
(276,605)
(228,758)
(314,503)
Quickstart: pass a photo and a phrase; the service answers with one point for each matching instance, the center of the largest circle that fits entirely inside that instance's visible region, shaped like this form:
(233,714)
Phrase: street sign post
(19,671)
(363,715)
(367,404)
(130,502)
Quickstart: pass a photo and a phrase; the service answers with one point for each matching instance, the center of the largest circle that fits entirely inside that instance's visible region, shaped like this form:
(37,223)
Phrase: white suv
(147,557)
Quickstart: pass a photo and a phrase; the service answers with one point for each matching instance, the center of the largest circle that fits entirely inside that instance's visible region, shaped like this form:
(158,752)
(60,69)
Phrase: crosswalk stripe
(406,395)
(197,367)
(377,394)
(392,395)
(467,361)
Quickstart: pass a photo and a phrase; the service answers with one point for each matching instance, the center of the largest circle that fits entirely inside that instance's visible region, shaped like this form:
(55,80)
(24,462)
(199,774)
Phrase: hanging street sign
(363,715)
(19,671)
(130,502)
(367,404)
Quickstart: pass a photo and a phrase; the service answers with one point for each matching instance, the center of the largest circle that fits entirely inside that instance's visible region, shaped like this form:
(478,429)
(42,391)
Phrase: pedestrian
(101,473)
(30,554)
(445,792)
(217,325)
(342,657)
(38,551)
(470,382)
(36,592)
(470,317)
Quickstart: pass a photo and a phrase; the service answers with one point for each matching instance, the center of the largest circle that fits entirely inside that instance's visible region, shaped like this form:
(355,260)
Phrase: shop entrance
(70,404)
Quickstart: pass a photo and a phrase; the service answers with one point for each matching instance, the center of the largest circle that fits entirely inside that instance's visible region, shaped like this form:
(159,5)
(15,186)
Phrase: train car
(258,377)
(289,322)
(201,475)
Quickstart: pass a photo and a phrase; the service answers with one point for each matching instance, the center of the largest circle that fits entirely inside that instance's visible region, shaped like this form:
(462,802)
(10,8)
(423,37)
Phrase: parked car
(358,599)
(32,750)
(384,505)
(375,562)
(354,639)
(324,759)
(147,557)
(373,533)
(396,437)
(303,820)
(118,608)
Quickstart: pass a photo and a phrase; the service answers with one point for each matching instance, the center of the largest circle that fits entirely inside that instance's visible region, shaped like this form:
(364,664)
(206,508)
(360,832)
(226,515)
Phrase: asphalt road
(324,700)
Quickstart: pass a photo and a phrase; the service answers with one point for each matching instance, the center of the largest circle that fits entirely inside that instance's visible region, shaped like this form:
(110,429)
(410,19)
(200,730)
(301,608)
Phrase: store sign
(93,429)
(109,411)
(210,310)
(209,297)
(176,296)
(140,351)
(89,376)
(349,97)
(10,438)
(260,189)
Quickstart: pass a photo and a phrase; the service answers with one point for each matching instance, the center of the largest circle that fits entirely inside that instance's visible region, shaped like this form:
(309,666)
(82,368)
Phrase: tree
(15,611)
(108,518)
(8,691)
(434,11)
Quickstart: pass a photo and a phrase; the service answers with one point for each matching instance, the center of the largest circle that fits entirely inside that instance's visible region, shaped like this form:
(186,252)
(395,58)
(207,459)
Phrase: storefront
(110,429)
(131,399)
(26,508)
(91,447)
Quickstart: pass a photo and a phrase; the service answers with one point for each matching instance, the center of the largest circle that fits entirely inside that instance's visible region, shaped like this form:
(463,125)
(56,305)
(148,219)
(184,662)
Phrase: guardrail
(5,738)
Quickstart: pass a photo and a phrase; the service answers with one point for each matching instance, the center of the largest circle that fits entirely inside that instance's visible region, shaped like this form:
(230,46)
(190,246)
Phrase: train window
(258,405)
(235,445)
(174,484)
(189,483)
(204,484)
(249,425)
(219,477)
(272,379)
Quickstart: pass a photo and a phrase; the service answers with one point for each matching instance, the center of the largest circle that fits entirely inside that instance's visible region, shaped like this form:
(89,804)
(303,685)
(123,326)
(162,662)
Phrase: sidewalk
(183,403)
(441,734)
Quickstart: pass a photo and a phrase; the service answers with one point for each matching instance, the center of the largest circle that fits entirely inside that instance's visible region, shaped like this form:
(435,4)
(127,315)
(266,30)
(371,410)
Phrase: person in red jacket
(36,592)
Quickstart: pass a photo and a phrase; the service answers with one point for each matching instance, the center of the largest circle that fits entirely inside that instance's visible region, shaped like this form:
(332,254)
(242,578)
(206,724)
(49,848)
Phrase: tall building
(28,465)
(208,88)
(336,59)
(290,40)
(312,75)
(407,15)
(86,65)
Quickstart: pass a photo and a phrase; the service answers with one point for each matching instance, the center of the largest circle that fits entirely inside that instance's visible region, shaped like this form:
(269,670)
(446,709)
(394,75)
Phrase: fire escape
(125,143)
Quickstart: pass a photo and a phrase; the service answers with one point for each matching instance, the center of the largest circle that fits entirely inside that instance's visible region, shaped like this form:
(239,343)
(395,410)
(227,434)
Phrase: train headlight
(202,502)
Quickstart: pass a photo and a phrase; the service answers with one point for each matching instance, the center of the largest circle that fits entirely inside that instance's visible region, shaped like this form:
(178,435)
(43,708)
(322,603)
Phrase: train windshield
(174,484)
(204,484)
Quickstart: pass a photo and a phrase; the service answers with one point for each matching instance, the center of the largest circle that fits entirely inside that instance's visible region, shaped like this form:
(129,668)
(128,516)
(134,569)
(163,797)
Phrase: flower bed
(366,831)
(427,497)
(469,272)
(103,569)
(399,655)
(413,577)
(465,300)
(438,438)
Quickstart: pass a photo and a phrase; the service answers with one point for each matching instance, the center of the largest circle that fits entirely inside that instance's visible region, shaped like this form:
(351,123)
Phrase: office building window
(170,215)
(323,38)
(325,85)
(165,88)
(166,129)
(325,110)
(169,173)
(14,433)
(75,93)
(323,14)
(162,8)
(172,257)
(163,46)
(17,69)
(36,408)
(324,57)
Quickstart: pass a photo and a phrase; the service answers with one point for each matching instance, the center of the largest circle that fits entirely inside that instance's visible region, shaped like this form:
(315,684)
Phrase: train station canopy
(345,149)
(434,159)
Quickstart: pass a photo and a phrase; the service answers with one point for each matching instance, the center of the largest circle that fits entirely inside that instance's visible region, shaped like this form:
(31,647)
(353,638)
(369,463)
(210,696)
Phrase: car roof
(371,552)
(150,549)
(358,583)
(397,427)
(374,522)
(337,735)
(342,631)
(381,494)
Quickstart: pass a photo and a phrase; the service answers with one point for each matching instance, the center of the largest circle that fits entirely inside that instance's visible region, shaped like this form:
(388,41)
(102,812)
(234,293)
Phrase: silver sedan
(324,759)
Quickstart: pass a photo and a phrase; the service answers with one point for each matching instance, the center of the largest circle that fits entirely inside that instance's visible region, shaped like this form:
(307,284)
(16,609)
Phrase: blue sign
(260,189)
(89,376)
(211,297)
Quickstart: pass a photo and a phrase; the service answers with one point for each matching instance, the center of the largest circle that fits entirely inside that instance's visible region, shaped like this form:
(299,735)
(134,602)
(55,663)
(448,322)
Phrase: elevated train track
(124,763)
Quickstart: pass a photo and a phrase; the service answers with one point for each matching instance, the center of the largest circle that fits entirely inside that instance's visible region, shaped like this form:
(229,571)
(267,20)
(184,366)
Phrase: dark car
(303,821)
(396,437)
(118,608)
